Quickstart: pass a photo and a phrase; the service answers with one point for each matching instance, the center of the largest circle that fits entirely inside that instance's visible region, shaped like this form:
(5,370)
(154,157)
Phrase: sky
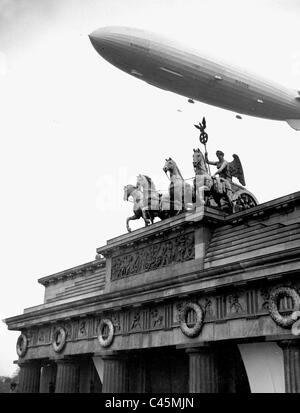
(74,129)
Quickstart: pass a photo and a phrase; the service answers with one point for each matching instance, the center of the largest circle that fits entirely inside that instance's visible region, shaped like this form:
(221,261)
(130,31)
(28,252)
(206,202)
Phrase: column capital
(29,362)
(112,355)
(204,348)
(289,343)
(65,359)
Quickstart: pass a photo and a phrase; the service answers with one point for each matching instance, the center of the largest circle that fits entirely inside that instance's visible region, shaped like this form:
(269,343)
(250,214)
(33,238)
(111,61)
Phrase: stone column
(115,375)
(291,360)
(48,378)
(29,377)
(203,370)
(89,381)
(137,382)
(67,376)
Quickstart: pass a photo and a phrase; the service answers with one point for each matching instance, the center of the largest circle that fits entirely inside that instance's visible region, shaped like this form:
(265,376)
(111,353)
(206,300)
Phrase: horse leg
(146,219)
(134,217)
(152,216)
(217,199)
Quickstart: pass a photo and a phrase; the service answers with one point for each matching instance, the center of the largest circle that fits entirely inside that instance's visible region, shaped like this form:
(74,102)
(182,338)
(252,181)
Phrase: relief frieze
(157,318)
(82,329)
(152,257)
(237,303)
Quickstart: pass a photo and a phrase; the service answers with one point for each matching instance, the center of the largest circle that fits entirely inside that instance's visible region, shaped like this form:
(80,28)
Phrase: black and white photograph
(150,199)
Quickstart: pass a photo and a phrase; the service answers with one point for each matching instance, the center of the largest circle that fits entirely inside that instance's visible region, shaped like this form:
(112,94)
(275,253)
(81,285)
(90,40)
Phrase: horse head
(168,166)
(171,166)
(141,180)
(199,162)
(128,189)
(145,182)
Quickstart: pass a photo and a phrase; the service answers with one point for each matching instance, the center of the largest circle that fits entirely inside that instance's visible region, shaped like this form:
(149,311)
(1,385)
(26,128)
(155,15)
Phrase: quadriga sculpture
(137,196)
(149,203)
(216,190)
(219,189)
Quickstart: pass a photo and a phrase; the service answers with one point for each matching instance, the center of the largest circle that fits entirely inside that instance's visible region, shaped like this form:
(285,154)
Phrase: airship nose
(99,39)
(111,42)
(121,46)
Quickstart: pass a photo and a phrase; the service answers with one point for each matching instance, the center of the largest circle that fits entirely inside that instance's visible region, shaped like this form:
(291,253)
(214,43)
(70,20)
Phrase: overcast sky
(72,125)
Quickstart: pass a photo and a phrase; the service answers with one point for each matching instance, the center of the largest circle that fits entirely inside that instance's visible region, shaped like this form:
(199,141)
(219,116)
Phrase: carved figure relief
(156,318)
(82,331)
(149,258)
(68,328)
(41,336)
(136,321)
(265,294)
(208,307)
(179,307)
(235,305)
(116,322)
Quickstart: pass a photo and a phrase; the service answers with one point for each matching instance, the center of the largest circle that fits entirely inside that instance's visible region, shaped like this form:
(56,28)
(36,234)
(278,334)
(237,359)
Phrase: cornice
(73,272)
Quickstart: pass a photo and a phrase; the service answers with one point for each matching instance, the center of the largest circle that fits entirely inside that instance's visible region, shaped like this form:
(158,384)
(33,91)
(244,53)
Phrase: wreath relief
(195,330)
(59,339)
(22,345)
(288,320)
(105,323)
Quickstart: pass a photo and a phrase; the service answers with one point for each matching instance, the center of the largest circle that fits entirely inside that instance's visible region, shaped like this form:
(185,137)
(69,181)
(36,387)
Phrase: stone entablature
(239,312)
(145,307)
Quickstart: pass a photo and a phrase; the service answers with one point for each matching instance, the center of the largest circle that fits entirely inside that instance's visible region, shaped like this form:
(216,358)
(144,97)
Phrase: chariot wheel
(243,200)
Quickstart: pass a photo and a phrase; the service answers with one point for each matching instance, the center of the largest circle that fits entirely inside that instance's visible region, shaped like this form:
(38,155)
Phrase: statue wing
(236,169)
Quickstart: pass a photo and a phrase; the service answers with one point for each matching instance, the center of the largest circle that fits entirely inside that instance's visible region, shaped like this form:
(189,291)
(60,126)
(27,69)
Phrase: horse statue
(225,193)
(180,192)
(203,181)
(153,201)
(137,195)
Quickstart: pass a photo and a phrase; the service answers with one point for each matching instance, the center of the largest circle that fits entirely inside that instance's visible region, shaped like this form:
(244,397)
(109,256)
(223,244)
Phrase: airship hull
(164,64)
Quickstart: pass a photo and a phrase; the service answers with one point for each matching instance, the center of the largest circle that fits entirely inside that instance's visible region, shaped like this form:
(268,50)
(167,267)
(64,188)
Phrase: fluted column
(48,378)
(115,375)
(29,377)
(203,370)
(137,382)
(89,381)
(291,359)
(67,376)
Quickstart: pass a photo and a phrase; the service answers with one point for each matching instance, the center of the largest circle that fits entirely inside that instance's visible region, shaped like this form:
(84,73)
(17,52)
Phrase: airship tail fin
(294,123)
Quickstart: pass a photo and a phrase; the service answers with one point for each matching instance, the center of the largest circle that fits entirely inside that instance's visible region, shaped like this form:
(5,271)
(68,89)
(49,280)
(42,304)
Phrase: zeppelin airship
(166,65)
